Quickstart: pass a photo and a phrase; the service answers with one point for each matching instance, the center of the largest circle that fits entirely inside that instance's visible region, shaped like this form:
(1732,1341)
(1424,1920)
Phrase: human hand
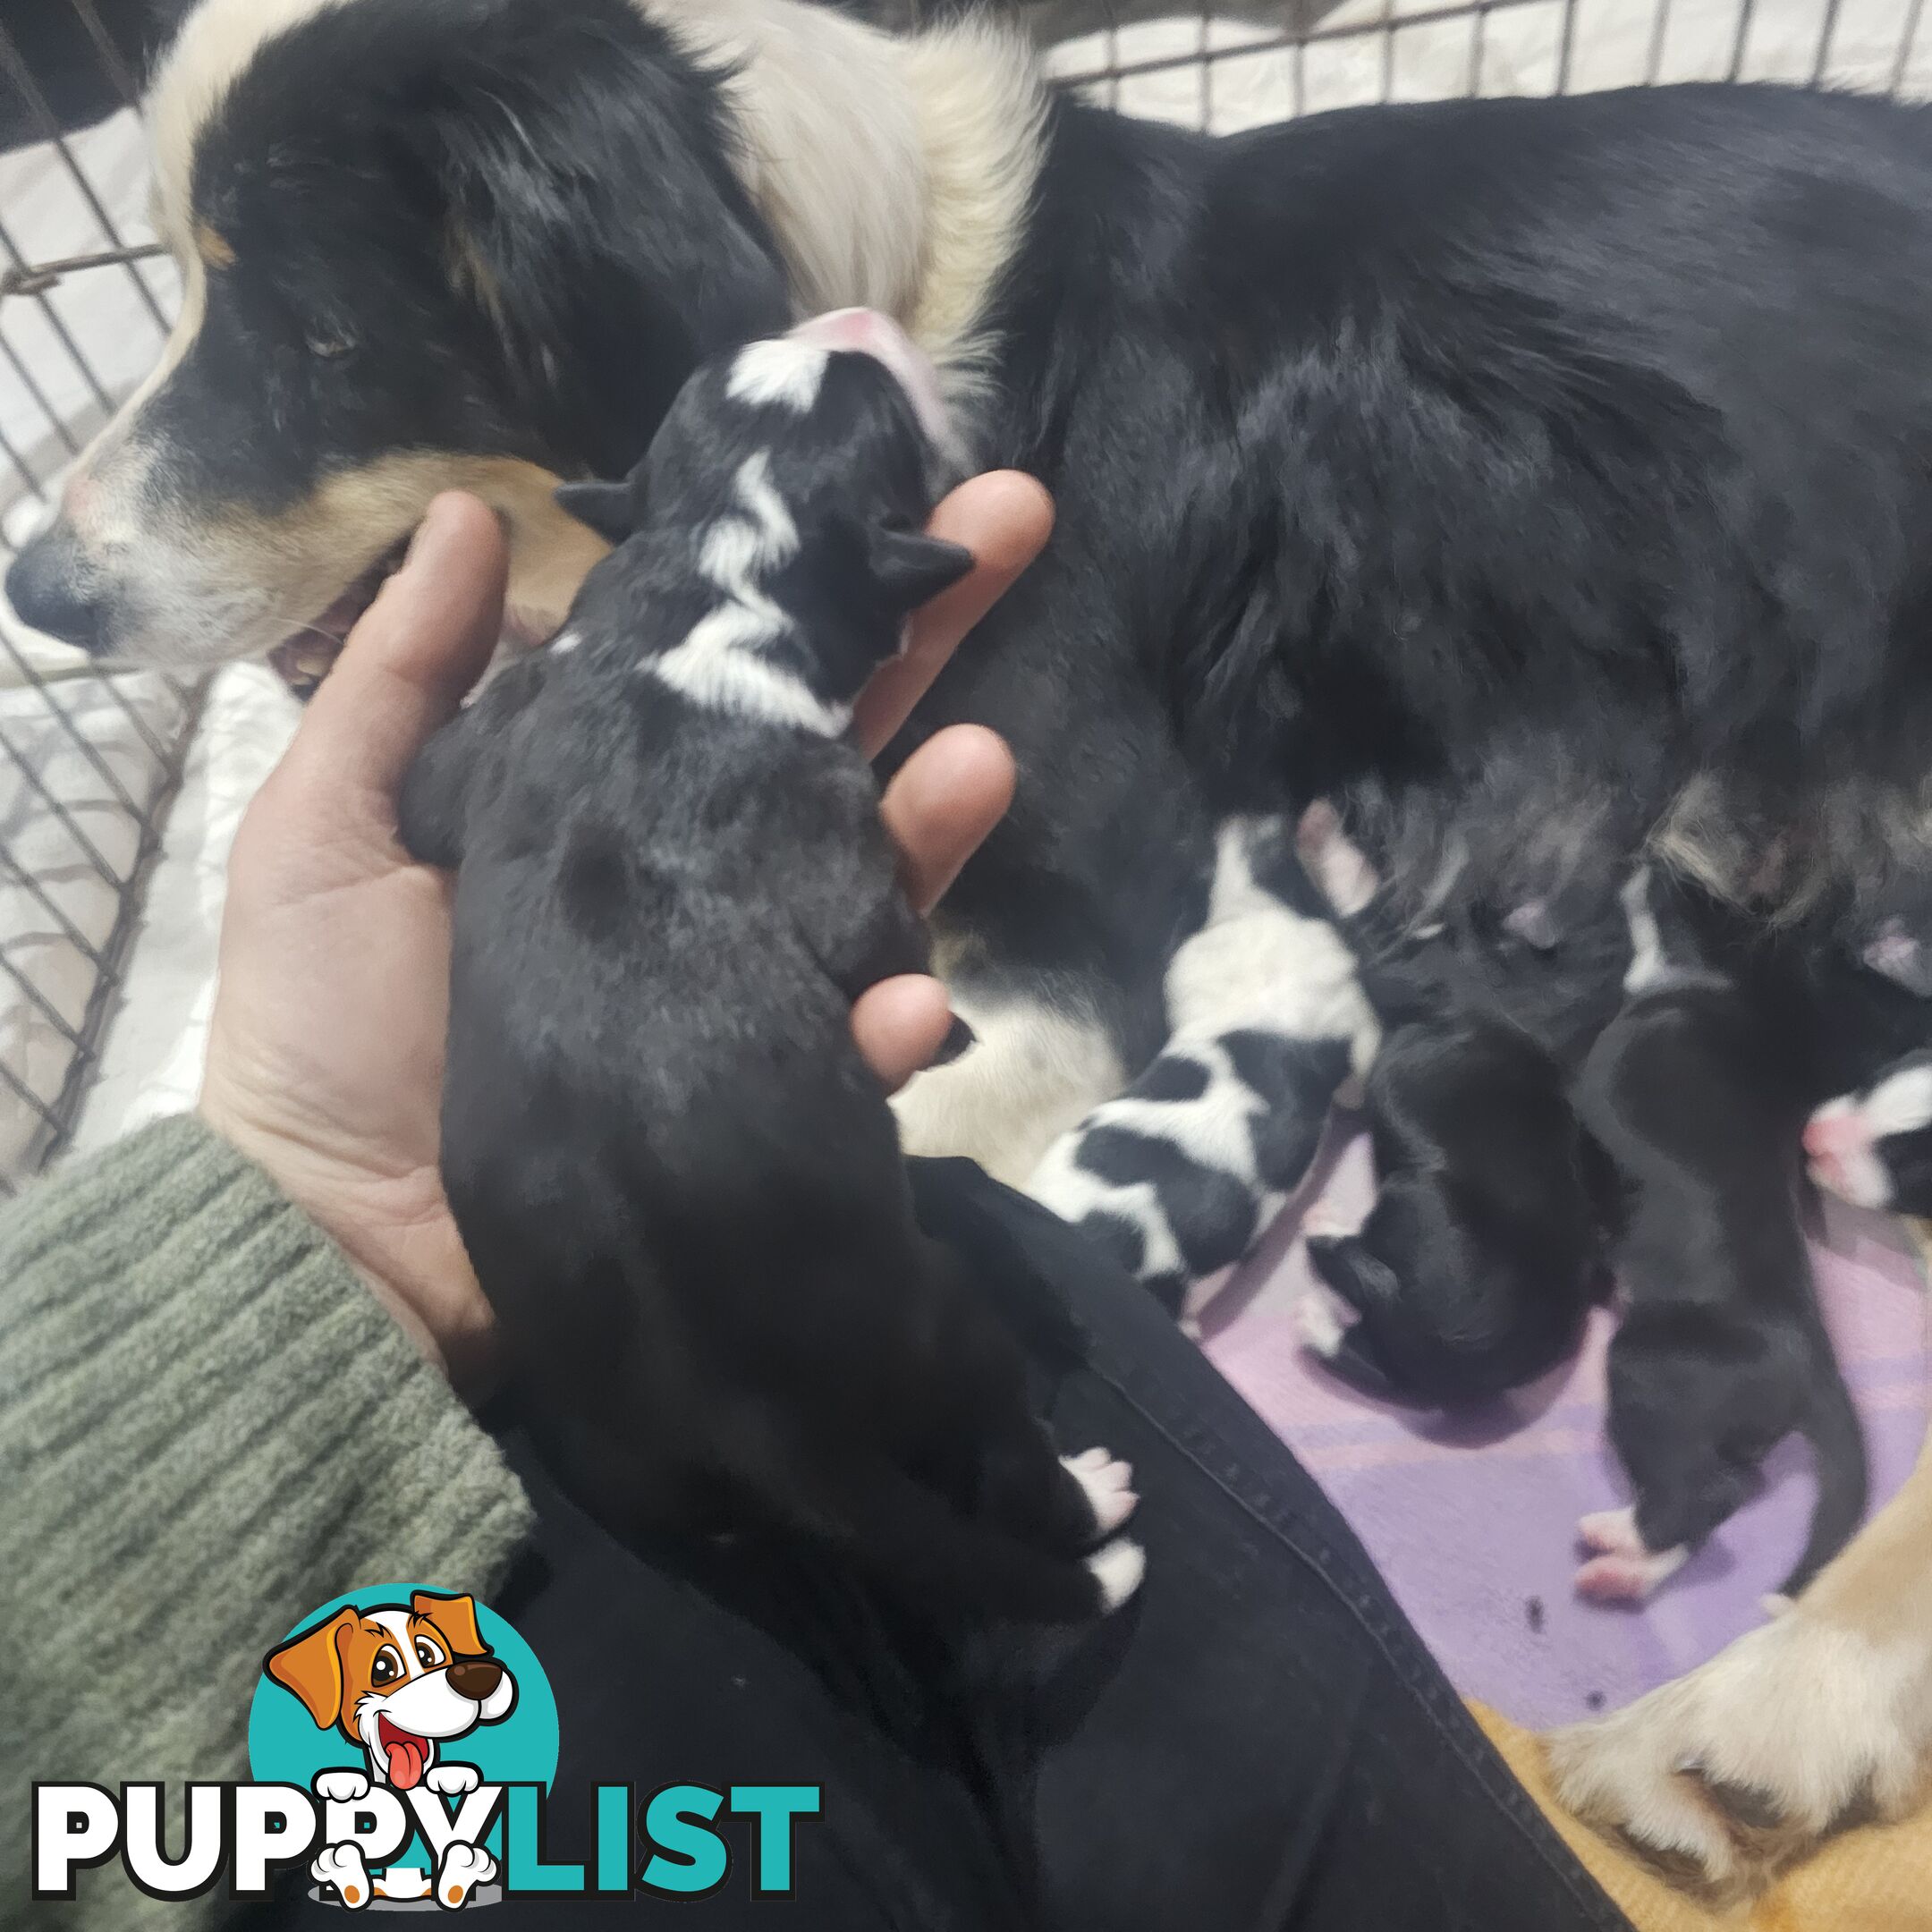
(325,1061)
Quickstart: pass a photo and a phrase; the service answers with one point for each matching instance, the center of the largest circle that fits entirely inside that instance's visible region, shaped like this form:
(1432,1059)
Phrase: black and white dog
(1518,472)
(680,1185)
(1721,1350)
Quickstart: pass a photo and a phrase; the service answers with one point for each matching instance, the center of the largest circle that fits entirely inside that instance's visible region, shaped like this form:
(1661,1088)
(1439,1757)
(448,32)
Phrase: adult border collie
(1501,467)
(1542,480)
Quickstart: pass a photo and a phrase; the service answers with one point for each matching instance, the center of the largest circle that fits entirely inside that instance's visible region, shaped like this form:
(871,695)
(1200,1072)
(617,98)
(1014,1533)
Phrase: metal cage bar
(89,763)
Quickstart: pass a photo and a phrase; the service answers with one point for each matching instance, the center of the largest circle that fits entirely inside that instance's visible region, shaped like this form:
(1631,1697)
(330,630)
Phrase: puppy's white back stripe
(783,371)
(719,666)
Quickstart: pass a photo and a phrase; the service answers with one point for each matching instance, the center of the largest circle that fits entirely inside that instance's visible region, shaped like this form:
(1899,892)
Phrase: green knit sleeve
(208,1427)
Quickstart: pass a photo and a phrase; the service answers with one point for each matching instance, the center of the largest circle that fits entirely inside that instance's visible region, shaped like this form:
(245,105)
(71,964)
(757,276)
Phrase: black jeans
(1258,1742)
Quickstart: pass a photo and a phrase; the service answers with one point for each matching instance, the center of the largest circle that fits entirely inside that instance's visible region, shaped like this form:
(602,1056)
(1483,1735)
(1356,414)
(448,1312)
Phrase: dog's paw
(1323,1320)
(1108,1483)
(341,1866)
(1620,1569)
(464,1869)
(1731,1774)
(453,1780)
(1118,1567)
(341,1787)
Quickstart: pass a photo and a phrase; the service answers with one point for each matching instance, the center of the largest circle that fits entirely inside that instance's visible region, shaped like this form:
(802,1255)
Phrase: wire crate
(89,765)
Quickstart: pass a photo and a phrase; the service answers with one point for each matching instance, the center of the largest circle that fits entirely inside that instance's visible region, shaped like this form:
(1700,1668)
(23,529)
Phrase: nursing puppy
(1483,1252)
(1721,1353)
(681,1184)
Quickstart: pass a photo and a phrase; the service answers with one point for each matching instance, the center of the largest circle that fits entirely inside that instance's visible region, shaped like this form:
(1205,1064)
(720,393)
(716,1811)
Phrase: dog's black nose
(474,1677)
(52,588)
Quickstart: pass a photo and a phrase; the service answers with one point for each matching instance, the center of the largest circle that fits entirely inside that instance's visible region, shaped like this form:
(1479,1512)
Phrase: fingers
(944,803)
(900,1025)
(1004,519)
(421,645)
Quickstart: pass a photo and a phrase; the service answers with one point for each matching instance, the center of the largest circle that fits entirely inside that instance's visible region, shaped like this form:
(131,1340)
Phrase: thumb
(422,644)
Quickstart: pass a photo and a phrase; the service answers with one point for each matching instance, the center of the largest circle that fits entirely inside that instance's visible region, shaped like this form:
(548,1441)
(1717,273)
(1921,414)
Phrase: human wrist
(392,1228)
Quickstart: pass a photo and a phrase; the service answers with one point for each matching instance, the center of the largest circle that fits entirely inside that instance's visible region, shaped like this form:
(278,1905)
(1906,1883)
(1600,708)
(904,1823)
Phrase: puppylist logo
(402,1743)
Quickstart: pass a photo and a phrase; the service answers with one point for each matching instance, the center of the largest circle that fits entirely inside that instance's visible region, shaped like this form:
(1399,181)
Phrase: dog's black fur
(1483,1250)
(680,1185)
(1720,1352)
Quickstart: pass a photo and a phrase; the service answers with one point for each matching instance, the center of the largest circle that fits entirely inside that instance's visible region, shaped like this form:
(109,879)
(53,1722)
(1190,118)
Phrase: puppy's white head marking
(784,372)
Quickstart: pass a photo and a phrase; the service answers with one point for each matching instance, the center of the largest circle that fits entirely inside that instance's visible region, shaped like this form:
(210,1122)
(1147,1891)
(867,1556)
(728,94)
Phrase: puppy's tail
(1838,1450)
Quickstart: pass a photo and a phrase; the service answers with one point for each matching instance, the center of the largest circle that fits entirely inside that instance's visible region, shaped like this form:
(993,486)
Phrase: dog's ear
(596,223)
(911,569)
(455,1617)
(610,509)
(311,1666)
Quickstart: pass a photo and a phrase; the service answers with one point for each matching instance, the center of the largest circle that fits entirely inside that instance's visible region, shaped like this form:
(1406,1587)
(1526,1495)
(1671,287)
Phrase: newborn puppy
(1874,1148)
(1482,1254)
(1721,1353)
(680,1185)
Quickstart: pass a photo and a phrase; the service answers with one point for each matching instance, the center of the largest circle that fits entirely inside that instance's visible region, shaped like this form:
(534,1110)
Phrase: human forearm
(208,1427)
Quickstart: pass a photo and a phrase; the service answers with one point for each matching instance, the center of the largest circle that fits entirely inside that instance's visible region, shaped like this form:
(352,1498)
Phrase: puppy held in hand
(1482,1254)
(681,1184)
(1721,1353)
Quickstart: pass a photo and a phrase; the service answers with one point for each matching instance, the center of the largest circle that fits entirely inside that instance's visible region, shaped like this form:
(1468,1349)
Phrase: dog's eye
(388,1666)
(427,1655)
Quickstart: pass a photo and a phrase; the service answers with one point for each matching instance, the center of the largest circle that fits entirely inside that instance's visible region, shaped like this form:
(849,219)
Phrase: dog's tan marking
(213,247)
(472,277)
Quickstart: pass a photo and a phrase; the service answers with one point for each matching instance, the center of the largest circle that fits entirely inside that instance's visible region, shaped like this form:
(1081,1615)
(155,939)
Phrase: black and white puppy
(1721,1353)
(681,1184)
(1874,1148)
(1176,1177)
(1483,1250)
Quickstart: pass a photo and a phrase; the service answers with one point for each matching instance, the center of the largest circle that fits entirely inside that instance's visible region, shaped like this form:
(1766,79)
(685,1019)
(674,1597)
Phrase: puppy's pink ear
(455,1617)
(911,570)
(311,1666)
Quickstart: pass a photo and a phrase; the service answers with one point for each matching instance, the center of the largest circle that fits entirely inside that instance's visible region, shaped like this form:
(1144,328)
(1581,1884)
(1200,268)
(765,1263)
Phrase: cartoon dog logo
(401,1680)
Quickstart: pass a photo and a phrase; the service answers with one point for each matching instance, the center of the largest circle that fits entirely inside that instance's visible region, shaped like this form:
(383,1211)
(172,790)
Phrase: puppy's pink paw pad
(1613,1579)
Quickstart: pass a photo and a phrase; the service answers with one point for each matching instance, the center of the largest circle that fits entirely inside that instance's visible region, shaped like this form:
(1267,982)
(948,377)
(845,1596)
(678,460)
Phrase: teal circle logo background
(286,1746)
